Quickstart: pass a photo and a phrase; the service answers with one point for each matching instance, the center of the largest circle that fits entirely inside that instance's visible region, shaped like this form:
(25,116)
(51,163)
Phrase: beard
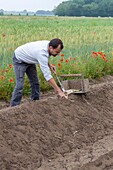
(54,55)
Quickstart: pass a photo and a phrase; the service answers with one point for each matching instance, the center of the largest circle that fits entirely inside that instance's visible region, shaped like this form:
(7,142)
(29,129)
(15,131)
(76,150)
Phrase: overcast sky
(29,5)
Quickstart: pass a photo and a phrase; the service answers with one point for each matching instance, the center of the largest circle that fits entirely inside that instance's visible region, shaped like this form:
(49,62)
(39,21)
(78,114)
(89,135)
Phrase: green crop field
(88,46)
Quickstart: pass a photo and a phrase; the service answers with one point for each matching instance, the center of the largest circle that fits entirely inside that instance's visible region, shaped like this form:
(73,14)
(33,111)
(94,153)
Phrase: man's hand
(62,95)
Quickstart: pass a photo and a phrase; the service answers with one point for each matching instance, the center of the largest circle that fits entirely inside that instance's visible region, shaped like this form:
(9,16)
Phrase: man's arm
(49,65)
(45,67)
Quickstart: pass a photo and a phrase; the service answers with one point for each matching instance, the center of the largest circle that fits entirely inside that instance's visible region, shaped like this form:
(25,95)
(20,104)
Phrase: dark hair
(55,43)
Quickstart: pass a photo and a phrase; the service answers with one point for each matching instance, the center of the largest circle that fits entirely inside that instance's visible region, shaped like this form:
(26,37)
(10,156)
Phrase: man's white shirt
(33,53)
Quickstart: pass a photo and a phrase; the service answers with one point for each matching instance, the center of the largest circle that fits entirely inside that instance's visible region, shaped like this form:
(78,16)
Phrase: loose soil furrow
(58,134)
(94,157)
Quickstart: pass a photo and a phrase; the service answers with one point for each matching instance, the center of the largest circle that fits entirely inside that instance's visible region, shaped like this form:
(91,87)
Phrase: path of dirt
(53,134)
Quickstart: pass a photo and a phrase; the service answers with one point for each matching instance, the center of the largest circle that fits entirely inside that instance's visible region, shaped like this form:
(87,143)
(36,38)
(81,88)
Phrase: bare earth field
(54,134)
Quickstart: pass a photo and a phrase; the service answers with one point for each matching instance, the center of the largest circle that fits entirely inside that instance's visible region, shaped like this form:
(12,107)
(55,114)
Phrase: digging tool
(60,82)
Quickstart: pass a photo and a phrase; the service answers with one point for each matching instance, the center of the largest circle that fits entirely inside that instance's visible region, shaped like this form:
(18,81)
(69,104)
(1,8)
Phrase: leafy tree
(74,9)
(90,9)
(85,8)
(88,1)
(61,9)
(106,8)
(80,2)
(1,12)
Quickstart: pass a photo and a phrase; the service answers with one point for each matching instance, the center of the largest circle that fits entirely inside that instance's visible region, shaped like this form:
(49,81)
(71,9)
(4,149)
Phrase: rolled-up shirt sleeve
(43,62)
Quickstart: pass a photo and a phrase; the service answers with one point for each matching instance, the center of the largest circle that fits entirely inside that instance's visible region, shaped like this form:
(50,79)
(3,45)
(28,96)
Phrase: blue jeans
(20,69)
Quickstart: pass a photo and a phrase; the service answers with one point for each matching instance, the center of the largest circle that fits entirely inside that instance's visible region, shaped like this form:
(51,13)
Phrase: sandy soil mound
(52,134)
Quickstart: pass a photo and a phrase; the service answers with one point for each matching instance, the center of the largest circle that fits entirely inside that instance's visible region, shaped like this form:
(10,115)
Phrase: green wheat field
(88,46)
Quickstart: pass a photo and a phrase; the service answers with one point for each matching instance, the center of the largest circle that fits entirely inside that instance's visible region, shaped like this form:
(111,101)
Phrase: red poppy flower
(102,56)
(59,65)
(62,55)
(100,53)
(6,70)
(61,60)
(67,61)
(1,77)
(71,58)
(94,54)
(10,65)
(11,80)
(2,71)
(106,60)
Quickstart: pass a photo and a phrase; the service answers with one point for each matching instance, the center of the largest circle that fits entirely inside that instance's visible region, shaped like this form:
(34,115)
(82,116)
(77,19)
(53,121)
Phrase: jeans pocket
(21,72)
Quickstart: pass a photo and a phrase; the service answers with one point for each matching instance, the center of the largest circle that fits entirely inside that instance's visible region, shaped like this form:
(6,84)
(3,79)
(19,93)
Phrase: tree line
(89,8)
(25,12)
